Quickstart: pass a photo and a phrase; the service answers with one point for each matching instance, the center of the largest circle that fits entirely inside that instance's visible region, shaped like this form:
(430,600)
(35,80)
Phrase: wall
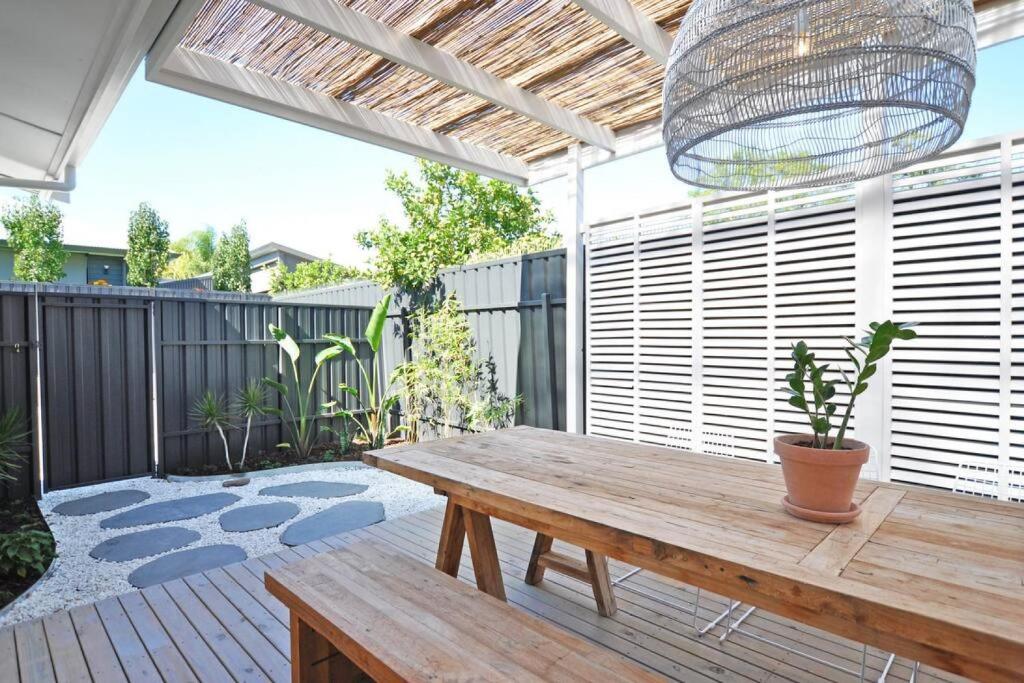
(516,309)
(75,268)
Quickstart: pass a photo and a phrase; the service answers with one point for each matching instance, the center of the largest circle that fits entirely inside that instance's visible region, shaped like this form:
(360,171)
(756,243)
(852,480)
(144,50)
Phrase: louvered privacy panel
(691,311)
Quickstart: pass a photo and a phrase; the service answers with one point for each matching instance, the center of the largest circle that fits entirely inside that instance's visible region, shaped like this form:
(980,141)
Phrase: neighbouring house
(262,262)
(85,265)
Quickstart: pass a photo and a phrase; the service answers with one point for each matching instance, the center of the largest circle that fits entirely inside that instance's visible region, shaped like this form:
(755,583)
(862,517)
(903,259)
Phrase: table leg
(535,570)
(453,533)
(484,553)
(601,583)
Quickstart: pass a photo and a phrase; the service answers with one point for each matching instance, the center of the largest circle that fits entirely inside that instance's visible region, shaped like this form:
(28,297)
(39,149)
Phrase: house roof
(498,86)
(84,249)
(271,247)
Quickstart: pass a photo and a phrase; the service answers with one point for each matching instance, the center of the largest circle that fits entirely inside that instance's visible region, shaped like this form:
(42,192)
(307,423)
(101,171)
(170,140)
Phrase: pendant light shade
(772,94)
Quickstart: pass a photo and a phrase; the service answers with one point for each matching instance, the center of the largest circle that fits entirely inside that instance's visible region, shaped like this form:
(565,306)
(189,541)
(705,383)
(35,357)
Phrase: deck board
(223,624)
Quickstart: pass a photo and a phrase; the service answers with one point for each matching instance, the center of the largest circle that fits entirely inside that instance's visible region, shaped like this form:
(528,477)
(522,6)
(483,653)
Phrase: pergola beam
(374,36)
(214,78)
(633,25)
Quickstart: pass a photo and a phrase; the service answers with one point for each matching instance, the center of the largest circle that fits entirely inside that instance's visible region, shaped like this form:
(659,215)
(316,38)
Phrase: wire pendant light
(772,94)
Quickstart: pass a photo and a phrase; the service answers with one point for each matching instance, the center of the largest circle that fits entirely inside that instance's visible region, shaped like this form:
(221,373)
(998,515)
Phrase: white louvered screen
(691,312)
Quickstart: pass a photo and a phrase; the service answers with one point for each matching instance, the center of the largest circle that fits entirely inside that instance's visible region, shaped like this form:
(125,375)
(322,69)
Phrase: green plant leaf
(276,385)
(375,328)
(286,342)
(343,343)
(327,354)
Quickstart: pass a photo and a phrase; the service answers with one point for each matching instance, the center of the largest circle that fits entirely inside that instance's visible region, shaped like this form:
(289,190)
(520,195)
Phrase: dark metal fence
(105,377)
(516,308)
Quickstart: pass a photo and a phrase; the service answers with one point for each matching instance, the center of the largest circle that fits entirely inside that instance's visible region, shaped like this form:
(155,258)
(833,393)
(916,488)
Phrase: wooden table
(934,577)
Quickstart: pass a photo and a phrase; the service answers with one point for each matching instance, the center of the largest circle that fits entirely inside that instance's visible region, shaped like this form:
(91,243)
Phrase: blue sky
(201,162)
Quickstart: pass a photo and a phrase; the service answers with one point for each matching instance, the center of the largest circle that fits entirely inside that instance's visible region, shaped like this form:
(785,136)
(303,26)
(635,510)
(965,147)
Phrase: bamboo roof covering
(552,48)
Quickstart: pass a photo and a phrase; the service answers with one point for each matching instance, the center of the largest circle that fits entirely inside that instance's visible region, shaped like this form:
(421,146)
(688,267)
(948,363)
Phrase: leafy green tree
(148,246)
(231,261)
(36,235)
(450,216)
(194,254)
(312,274)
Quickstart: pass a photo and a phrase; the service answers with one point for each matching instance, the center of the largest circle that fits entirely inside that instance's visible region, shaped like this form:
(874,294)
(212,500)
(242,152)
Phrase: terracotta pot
(820,479)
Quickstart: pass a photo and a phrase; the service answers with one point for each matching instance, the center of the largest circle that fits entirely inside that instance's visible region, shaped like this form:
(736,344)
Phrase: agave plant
(250,402)
(863,354)
(210,411)
(13,437)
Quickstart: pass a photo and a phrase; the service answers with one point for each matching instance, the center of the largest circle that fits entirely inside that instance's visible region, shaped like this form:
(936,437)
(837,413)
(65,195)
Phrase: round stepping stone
(170,510)
(101,502)
(314,489)
(263,516)
(235,481)
(141,544)
(184,563)
(334,520)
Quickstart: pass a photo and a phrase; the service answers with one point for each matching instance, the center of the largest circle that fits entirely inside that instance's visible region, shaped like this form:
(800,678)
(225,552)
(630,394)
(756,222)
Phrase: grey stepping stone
(101,502)
(263,516)
(334,520)
(314,489)
(235,481)
(184,563)
(170,510)
(143,543)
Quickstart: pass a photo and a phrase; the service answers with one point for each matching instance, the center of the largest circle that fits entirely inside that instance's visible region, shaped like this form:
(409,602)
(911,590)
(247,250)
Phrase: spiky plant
(210,411)
(13,437)
(251,401)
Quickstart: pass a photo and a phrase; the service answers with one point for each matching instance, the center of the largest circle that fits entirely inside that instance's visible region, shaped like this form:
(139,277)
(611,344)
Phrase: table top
(932,576)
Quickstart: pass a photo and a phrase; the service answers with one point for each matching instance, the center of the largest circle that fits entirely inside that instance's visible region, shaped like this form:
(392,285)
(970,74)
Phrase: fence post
(35,372)
(574,288)
(549,353)
(156,373)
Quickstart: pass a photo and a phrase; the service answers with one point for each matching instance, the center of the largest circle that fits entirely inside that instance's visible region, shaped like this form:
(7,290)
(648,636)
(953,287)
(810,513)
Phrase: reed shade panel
(804,93)
(553,48)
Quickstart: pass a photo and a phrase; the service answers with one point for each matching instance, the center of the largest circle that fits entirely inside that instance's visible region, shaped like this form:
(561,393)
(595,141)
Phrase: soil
(15,516)
(275,459)
(808,443)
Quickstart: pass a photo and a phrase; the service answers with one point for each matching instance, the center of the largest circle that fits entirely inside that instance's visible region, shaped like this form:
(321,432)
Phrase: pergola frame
(178,67)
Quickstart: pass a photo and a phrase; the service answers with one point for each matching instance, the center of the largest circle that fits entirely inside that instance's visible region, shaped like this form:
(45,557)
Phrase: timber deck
(222,624)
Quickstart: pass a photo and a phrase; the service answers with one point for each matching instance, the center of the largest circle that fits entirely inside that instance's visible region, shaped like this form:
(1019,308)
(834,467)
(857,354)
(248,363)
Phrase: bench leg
(315,660)
(484,553)
(453,533)
(535,570)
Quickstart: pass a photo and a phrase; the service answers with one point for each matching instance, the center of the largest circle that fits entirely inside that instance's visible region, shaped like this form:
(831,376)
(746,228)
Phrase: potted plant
(821,470)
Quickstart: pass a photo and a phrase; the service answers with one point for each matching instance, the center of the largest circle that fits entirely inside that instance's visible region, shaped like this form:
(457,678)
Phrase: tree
(312,274)
(148,246)
(36,235)
(231,261)
(450,215)
(194,254)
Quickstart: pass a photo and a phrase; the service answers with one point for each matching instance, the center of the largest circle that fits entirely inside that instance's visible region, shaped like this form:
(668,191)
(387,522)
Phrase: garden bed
(22,515)
(258,462)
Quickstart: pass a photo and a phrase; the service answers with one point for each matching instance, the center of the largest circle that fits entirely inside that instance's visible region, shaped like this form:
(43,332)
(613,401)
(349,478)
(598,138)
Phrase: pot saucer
(818,516)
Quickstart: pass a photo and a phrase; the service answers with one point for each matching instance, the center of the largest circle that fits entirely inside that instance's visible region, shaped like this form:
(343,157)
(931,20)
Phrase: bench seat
(370,610)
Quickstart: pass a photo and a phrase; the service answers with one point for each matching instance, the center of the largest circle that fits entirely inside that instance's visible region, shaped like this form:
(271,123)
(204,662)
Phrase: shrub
(148,246)
(231,261)
(312,274)
(13,437)
(211,412)
(25,553)
(35,234)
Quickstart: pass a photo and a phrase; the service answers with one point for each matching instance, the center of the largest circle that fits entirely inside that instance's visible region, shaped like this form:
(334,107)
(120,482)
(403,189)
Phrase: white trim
(358,29)
(630,141)
(226,82)
(1006,277)
(1000,24)
(633,25)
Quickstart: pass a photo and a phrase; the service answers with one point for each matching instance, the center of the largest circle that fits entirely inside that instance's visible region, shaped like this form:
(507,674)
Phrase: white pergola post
(574,291)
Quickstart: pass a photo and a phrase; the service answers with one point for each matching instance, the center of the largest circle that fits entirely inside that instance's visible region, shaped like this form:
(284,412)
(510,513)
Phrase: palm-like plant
(250,401)
(13,437)
(211,412)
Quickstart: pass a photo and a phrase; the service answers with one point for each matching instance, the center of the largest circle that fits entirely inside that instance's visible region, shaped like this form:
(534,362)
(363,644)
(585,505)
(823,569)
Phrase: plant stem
(227,455)
(245,443)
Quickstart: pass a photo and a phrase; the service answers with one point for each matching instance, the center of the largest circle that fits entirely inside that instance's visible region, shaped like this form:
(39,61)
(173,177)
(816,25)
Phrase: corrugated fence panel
(16,384)
(516,310)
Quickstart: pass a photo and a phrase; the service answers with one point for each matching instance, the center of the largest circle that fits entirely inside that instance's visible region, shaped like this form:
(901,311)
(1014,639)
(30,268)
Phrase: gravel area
(76,578)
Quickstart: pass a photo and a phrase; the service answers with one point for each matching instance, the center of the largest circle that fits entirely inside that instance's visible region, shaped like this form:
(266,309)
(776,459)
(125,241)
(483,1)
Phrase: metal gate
(96,389)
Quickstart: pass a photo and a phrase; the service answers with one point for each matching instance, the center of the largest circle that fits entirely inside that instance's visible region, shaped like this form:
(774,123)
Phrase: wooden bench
(371,611)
